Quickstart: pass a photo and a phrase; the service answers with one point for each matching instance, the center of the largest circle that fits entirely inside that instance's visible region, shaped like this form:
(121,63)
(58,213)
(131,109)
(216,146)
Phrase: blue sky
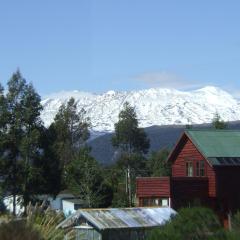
(98,45)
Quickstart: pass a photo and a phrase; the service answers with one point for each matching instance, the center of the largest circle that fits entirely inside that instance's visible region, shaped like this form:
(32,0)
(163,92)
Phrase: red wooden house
(205,170)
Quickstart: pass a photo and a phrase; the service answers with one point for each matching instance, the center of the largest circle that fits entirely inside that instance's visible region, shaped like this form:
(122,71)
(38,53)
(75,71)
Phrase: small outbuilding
(69,206)
(116,223)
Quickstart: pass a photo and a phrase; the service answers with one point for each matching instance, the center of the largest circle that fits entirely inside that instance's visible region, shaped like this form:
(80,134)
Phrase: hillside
(160,137)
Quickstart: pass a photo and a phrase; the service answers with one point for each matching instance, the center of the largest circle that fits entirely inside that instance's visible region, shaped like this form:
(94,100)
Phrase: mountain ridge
(154,106)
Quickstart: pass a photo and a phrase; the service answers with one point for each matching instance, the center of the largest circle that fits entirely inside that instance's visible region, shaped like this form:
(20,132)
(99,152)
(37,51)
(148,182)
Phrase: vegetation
(128,136)
(131,142)
(20,145)
(195,223)
(70,132)
(158,165)
(85,179)
(18,230)
(218,123)
(40,224)
(38,160)
(45,222)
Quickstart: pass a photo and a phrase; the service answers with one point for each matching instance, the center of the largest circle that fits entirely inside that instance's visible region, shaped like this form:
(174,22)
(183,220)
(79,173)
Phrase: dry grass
(18,230)
(40,224)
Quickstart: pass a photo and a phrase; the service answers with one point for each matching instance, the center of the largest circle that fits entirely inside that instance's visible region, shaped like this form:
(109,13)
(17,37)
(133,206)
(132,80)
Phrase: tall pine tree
(132,142)
(128,137)
(71,130)
(20,144)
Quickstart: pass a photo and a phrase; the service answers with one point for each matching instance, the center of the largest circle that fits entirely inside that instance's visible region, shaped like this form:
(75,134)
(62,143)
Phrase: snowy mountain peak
(155,106)
(111,92)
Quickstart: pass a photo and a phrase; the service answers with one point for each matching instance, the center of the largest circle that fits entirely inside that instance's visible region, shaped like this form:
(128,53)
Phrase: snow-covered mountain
(155,106)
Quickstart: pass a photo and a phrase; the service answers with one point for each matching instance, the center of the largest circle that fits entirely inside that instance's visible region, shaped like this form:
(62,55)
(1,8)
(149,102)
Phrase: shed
(69,206)
(117,223)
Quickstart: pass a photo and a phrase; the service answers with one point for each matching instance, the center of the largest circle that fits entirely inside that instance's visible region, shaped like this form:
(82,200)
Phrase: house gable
(186,151)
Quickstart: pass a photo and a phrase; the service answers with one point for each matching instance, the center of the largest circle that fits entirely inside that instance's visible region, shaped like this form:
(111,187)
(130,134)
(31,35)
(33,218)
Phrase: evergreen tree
(48,180)
(132,142)
(30,146)
(128,136)
(217,123)
(158,165)
(85,179)
(71,130)
(20,144)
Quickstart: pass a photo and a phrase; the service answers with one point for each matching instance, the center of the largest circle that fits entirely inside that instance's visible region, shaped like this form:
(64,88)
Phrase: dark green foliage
(128,136)
(50,181)
(188,126)
(158,165)
(137,168)
(131,142)
(190,224)
(115,177)
(137,163)
(236,222)
(2,206)
(217,123)
(84,178)
(20,143)
(28,165)
(120,198)
(69,132)
(18,230)
(196,224)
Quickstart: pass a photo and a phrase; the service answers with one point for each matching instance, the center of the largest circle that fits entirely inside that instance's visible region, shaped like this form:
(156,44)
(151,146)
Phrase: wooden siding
(189,190)
(153,187)
(227,187)
(188,151)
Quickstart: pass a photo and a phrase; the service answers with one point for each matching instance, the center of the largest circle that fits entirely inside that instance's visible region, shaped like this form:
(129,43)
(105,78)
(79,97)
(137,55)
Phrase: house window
(197,169)
(162,202)
(165,202)
(145,202)
(189,169)
(200,168)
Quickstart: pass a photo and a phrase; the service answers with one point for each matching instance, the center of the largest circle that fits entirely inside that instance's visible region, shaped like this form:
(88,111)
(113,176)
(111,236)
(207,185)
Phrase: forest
(35,159)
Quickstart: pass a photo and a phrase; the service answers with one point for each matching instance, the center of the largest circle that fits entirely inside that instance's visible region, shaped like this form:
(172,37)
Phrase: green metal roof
(220,147)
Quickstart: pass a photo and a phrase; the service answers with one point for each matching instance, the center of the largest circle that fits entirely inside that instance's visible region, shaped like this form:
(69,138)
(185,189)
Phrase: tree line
(35,159)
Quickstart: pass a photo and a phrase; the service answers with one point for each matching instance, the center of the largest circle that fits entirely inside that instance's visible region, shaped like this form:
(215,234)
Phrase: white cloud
(166,80)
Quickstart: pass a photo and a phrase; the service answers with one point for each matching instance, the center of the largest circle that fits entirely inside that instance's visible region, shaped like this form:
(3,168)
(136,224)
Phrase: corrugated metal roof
(220,147)
(117,218)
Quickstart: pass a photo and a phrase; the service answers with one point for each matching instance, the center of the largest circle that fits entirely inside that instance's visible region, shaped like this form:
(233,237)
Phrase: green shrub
(18,230)
(195,223)
(39,224)
(236,222)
